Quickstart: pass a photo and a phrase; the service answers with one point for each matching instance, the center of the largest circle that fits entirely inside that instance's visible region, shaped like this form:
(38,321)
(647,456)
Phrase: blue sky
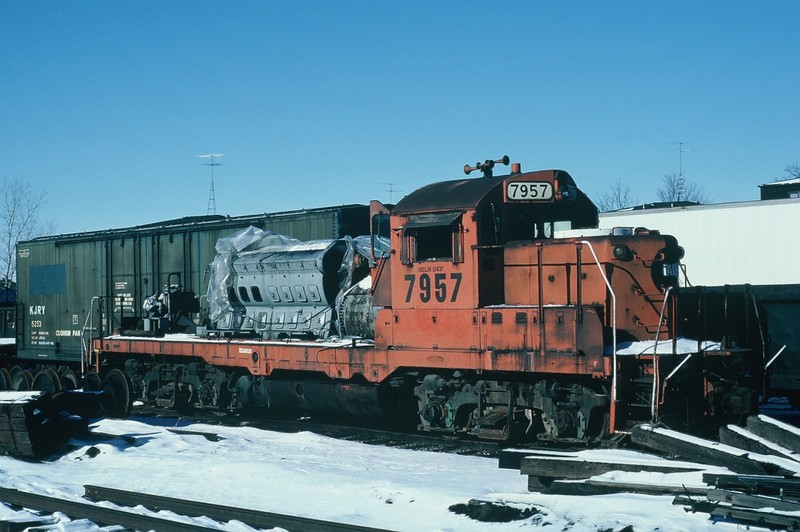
(105,104)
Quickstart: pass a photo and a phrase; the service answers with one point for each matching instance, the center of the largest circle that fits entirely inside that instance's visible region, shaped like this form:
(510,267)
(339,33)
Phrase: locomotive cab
(451,240)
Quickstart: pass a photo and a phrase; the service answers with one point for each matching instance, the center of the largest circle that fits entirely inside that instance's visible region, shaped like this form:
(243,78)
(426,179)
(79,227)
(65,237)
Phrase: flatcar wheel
(46,380)
(92,382)
(116,389)
(5,379)
(21,380)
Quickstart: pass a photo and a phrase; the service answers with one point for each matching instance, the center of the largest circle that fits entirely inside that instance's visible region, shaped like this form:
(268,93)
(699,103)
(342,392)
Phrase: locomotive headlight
(623,252)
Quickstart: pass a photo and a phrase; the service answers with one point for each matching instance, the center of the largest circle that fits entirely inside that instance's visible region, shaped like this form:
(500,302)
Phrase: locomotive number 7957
(436,287)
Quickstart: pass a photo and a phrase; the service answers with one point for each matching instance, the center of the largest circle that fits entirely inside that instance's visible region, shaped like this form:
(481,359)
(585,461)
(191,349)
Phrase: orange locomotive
(488,306)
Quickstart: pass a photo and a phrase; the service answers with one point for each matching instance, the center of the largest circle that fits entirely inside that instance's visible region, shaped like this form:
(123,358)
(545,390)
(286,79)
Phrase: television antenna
(212,201)
(391,190)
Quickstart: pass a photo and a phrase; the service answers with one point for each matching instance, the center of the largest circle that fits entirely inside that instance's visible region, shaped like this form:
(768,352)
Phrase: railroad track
(374,435)
(369,434)
(130,519)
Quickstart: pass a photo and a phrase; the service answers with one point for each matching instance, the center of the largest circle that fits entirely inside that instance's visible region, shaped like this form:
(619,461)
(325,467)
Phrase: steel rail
(253,518)
(350,432)
(94,513)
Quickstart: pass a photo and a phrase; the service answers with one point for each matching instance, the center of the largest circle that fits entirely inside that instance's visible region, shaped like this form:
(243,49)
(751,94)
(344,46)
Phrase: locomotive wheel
(5,379)
(46,380)
(116,389)
(21,379)
(92,382)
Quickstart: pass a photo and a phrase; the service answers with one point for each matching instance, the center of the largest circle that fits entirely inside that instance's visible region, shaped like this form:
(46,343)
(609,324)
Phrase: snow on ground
(680,346)
(310,475)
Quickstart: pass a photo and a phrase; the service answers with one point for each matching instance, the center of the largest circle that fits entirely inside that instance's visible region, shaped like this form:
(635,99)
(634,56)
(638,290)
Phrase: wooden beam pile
(771,500)
(33,424)
(752,499)
(574,473)
(750,476)
(24,424)
(712,453)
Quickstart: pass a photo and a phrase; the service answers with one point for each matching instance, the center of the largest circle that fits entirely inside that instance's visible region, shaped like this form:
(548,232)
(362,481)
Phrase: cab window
(432,237)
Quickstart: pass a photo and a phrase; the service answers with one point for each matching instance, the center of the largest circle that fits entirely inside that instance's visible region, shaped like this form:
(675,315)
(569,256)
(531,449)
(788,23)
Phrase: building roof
(791,181)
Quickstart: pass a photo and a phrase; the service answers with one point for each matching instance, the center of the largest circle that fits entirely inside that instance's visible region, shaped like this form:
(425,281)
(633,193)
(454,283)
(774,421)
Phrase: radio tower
(681,181)
(212,201)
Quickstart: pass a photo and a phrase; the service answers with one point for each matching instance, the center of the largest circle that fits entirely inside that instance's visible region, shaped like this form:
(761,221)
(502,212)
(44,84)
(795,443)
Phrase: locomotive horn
(486,166)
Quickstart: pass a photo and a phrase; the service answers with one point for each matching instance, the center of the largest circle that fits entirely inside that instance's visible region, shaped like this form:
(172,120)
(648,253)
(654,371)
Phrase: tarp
(255,240)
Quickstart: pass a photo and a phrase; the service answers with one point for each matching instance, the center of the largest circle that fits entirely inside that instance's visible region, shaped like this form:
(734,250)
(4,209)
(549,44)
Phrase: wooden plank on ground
(775,431)
(573,468)
(742,441)
(748,441)
(704,451)
(511,458)
(21,524)
(540,484)
(606,487)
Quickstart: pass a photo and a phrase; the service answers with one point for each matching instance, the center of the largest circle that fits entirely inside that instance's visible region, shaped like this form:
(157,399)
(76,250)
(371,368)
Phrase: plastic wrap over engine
(272,286)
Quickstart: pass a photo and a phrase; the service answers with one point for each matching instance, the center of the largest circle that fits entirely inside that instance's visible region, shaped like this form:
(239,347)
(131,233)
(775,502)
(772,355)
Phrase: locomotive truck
(489,306)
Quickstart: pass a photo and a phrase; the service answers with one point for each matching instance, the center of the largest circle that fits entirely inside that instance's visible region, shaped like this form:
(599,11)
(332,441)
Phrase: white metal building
(753,242)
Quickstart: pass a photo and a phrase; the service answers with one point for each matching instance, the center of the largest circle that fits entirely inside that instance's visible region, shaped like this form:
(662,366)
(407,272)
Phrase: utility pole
(212,201)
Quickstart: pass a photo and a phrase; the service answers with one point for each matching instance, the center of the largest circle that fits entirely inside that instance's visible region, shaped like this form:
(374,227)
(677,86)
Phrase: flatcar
(70,286)
(491,307)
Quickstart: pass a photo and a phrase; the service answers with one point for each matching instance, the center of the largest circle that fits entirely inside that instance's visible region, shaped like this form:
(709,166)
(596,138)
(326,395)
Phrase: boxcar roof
(178,224)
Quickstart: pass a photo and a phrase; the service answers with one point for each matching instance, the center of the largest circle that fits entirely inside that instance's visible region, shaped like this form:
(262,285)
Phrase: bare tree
(793,170)
(618,196)
(19,216)
(675,188)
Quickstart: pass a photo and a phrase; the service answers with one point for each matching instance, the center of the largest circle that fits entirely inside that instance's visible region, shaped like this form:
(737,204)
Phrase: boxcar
(763,318)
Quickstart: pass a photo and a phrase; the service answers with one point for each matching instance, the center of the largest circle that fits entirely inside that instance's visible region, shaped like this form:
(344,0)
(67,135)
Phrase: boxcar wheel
(46,380)
(21,380)
(5,379)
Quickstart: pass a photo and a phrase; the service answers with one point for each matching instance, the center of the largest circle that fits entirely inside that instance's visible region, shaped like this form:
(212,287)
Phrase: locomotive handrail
(771,360)
(653,401)
(685,277)
(613,335)
(379,267)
